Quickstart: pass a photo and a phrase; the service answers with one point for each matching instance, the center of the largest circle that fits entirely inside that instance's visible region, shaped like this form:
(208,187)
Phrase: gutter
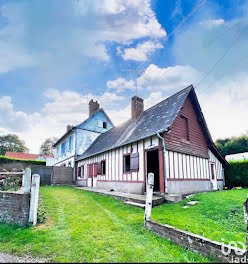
(164,152)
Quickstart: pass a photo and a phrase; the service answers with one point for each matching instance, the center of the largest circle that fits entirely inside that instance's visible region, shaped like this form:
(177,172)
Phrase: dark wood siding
(196,145)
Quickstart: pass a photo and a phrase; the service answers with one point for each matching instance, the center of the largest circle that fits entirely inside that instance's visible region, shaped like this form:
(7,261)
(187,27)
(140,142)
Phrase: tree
(232,145)
(47,147)
(12,143)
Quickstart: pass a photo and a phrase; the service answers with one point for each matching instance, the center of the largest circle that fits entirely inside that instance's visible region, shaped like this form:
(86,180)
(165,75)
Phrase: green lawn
(88,227)
(217,215)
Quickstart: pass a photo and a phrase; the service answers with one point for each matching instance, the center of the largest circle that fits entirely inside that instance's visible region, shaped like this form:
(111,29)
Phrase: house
(78,138)
(237,156)
(27,156)
(170,139)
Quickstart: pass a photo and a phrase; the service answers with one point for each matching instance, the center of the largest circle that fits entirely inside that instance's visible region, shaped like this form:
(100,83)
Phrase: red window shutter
(134,161)
(94,169)
(90,170)
(99,168)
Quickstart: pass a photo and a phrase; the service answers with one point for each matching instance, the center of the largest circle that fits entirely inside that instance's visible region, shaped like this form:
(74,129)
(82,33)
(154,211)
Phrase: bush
(10,182)
(41,215)
(7,160)
(236,174)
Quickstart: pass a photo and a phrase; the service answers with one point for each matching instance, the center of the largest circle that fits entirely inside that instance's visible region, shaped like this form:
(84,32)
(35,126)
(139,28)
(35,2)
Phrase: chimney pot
(137,107)
(68,127)
(93,107)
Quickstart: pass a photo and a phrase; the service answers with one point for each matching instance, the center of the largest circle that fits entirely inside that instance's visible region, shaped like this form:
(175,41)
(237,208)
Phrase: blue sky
(49,50)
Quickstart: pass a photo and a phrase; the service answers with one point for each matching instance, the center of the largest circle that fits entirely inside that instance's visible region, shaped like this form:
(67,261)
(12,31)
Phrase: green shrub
(236,174)
(10,182)
(41,210)
(5,160)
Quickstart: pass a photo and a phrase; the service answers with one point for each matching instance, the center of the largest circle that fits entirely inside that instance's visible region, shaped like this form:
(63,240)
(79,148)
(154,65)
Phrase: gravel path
(7,258)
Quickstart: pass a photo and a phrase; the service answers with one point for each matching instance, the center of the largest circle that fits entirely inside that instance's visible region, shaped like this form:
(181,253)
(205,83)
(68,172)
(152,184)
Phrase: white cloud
(84,32)
(210,23)
(141,52)
(171,78)
(121,84)
(15,120)
(226,109)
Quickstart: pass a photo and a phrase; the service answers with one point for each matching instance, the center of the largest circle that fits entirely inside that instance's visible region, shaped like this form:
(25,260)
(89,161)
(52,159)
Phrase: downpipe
(164,153)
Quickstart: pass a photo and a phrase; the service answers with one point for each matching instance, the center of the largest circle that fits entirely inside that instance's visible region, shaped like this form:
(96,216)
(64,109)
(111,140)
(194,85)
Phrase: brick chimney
(93,107)
(137,107)
(68,128)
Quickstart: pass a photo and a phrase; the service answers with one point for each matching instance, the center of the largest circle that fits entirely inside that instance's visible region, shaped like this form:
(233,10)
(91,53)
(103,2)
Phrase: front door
(152,161)
(213,176)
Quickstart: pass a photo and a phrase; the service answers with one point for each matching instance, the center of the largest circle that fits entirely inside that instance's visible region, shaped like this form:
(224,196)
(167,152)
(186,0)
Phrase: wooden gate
(62,175)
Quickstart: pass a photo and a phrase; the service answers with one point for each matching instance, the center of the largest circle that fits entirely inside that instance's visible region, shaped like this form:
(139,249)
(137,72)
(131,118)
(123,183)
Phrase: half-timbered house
(170,139)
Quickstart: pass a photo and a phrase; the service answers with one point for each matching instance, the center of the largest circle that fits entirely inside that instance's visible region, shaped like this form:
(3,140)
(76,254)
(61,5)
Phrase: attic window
(104,125)
(184,128)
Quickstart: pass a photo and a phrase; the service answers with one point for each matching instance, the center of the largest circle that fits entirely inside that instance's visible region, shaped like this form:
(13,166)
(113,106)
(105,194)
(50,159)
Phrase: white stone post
(26,180)
(149,194)
(34,199)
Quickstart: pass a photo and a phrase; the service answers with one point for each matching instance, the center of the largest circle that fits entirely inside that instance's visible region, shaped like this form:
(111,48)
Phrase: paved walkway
(7,258)
(138,198)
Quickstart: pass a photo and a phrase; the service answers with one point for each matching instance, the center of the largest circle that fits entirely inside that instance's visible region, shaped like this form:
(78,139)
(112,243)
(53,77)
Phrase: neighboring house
(78,138)
(170,139)
(237,157)
(26,156)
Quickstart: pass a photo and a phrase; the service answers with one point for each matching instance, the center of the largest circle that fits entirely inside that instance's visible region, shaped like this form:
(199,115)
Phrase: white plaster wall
(114,162)
(183,166)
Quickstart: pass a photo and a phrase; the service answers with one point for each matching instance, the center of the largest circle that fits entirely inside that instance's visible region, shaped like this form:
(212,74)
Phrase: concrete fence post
(149,194)
(26,180)
(34,199)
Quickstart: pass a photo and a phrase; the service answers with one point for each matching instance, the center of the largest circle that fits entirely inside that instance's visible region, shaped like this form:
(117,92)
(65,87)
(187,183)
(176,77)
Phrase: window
(69,164)
(103,167)
(57,151)
(82,171)
(102,124)
(184,128)
(131,162)
(63,148)
(127,161)
(70,143)
(79,172)
(212,171)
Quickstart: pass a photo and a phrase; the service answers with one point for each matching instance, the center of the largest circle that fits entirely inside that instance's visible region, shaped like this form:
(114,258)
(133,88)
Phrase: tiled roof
(155,119)
(26,156)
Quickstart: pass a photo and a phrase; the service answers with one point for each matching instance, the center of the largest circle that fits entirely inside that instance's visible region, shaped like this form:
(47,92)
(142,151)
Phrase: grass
(89,227)
(218,215)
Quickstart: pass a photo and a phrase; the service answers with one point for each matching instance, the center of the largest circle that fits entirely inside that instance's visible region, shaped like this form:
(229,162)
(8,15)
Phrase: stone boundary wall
(14,207)
(196,243)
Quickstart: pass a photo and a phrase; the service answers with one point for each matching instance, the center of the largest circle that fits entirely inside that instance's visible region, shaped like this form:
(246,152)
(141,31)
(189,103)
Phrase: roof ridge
(190,86)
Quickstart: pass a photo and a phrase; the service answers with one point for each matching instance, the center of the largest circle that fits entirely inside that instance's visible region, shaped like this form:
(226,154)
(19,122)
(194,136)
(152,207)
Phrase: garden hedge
(5,160)
(236,174)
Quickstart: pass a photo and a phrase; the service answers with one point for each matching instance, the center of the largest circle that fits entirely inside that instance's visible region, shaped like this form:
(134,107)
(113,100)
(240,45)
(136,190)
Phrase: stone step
(173,198)
(136,204)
